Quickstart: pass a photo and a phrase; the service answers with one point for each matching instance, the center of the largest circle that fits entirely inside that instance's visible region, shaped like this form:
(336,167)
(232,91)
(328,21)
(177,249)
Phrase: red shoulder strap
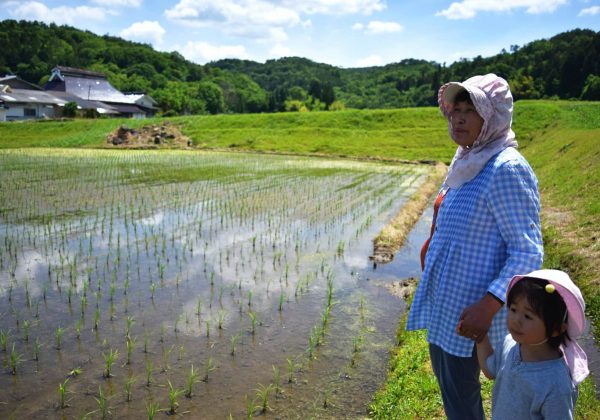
(436,207)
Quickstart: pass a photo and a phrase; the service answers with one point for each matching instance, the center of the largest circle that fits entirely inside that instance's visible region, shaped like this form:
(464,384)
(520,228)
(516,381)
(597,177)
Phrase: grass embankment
(406,134)
(560,140)
(393,235)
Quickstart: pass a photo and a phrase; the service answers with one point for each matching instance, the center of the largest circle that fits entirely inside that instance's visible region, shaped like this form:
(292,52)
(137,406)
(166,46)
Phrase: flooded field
(212,285)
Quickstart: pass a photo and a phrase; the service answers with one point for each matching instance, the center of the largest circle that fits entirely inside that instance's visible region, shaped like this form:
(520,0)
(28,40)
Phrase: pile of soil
(154,136)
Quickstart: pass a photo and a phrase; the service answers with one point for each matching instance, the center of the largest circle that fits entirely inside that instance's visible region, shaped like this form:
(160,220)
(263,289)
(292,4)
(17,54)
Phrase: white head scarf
(494,103)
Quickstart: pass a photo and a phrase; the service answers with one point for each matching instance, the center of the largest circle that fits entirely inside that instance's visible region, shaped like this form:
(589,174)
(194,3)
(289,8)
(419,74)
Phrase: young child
(540,365)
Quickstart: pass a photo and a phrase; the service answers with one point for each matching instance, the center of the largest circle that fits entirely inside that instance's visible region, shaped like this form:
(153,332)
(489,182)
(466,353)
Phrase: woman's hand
(475,320)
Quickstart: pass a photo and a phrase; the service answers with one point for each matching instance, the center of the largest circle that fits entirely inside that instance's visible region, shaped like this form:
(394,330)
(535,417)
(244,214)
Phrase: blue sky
(344,33)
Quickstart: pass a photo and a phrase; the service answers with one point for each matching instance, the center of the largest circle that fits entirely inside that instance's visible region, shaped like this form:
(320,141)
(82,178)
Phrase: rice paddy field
(134,283)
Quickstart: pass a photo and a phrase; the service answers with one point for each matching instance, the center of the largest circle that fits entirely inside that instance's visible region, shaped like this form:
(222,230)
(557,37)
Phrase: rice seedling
(192,378)
(234,339)
(103,406)
(62,390)
(149,373)
(128,387)
(78,328)
(109,360)
(251,407)
(129,344)
(252,317)
(165,355)
(281,300)
(263,393)
(208,367)
(291,369)
(129,321)
(58,333)
(221,318)
(37,346)
(176,325)
(96,319)
(15,360)
(26,326)
(276,380)
(4,335)
(174,394)
(199,307)
(151,410)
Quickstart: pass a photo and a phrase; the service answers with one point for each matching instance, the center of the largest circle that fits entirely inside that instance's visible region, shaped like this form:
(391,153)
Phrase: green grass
(412,134)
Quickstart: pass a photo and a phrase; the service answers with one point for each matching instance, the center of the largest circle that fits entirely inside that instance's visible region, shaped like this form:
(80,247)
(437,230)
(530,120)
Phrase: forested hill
(564,66)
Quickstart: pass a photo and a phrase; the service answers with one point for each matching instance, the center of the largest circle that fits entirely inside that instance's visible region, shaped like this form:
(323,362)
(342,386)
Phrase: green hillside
(565,66)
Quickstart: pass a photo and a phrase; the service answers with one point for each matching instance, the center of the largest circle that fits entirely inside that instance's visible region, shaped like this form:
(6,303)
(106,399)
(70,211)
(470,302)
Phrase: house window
(29,112)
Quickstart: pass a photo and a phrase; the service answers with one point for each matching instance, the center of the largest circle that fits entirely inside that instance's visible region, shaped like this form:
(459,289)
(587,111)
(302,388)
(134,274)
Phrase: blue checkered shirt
(487,230)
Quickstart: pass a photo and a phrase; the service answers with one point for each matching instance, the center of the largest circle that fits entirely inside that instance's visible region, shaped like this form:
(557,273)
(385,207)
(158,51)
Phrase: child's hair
(550,307)
(463,96)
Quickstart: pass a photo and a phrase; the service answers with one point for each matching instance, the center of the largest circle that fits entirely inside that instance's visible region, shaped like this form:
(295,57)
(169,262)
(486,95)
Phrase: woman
(487,229)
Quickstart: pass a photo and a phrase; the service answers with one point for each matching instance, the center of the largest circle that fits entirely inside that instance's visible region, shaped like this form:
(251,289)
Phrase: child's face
(525,326)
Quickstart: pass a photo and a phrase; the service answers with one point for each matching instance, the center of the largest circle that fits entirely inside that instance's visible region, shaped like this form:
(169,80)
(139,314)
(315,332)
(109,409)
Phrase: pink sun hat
(574,355)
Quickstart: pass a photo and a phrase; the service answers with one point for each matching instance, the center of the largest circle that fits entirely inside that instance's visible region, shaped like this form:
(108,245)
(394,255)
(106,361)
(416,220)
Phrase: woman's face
(465,124)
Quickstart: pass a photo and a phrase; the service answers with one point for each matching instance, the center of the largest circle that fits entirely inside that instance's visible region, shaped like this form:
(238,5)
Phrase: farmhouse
(22,104)
(93,87)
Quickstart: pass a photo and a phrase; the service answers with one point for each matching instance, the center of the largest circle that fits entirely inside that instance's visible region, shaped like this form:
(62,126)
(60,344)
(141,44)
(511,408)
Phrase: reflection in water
(253,269)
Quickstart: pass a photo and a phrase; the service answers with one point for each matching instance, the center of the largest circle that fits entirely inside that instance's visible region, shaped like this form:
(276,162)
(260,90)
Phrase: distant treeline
(565,66)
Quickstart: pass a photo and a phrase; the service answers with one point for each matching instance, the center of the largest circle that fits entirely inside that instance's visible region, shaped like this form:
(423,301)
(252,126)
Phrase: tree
(591,89)
(212,95)
(70,109)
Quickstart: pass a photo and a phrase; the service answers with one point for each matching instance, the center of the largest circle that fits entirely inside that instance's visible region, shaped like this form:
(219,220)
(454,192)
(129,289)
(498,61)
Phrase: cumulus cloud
(34,10)
(336,7)
(590,11)
(280,50)
(376,27)
(246,12)
(256,19)
(370,61)
(468,9)
(146,31)
(118,3)
(203,52)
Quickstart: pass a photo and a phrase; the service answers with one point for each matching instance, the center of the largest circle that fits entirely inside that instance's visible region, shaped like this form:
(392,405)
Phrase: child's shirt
(530,390)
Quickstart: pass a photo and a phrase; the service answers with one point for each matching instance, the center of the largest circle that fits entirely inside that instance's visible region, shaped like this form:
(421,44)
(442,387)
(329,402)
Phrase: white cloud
(307,23)
(280,50)
(144,31)
(245,12)
(372,60)
(118,3)
(467,9)
(590,11)
(203,52)
(257,19)
(34,10)
(336,7)
(376,27)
